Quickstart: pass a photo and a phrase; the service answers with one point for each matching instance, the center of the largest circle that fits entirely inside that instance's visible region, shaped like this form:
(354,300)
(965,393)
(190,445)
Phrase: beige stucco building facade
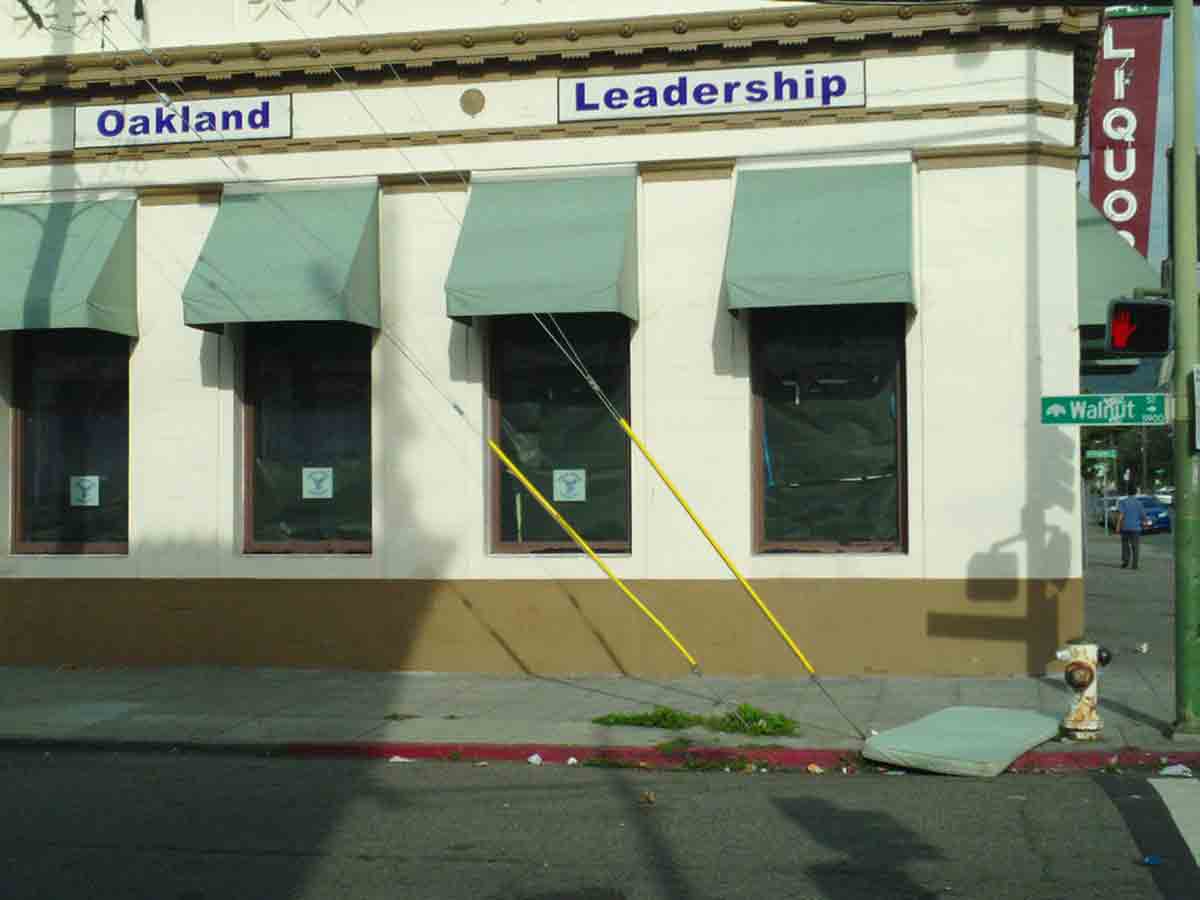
(424,102)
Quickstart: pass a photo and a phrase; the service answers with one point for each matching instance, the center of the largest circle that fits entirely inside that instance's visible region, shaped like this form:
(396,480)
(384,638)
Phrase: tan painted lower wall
(844,626)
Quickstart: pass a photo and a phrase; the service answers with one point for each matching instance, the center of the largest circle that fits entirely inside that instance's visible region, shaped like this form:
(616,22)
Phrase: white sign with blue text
(184,121)
(706,92)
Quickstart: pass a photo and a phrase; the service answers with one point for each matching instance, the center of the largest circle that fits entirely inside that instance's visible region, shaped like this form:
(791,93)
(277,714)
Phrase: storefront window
(308,438)
(553,426)
(71,446)
(829,466)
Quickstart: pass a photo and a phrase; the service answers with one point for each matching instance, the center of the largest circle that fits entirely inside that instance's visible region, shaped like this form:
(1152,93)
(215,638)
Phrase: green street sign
(1105,409)
(1100,454)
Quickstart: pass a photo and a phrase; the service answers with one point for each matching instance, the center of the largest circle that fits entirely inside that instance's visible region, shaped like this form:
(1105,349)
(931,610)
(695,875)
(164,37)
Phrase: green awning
(69,265)
(1108,266)
(308,255)
(565,245)
(820,237)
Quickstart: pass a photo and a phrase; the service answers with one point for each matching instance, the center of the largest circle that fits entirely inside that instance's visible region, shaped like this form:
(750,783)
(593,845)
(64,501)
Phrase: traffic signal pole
(1187,355)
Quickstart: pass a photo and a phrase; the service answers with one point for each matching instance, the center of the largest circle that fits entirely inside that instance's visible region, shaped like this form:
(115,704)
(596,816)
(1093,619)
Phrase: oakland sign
(184,121)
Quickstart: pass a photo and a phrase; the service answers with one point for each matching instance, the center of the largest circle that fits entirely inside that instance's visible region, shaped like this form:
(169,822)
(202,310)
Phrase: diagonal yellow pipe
(583,545)
(713,541)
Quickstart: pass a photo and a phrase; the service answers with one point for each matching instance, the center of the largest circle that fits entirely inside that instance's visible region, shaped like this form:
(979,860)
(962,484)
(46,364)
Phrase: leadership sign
(184,121)
(715,91)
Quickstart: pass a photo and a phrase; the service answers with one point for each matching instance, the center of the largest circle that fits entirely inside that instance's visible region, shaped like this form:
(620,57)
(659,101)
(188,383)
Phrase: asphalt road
(180,827)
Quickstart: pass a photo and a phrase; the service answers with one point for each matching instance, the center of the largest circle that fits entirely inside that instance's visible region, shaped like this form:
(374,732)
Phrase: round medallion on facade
(472,101)
(520,37)
(735,23)
(416,44)
(468,41)
(364,48)
(572,34)
(216,57)
(791,20)
(680,26)
(848,15)
(626,30)
(905,12)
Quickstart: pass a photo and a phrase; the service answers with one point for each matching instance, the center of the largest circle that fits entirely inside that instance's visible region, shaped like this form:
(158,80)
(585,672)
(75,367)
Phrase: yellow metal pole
(583,545)
(713,541)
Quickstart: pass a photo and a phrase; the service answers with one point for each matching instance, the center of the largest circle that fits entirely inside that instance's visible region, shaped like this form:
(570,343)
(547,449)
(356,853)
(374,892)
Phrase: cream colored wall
(995,329)
(902,81)
(998,282)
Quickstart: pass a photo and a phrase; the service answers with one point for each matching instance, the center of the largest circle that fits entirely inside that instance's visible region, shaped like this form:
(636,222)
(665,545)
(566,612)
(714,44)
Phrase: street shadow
(893,846)
(1153,829)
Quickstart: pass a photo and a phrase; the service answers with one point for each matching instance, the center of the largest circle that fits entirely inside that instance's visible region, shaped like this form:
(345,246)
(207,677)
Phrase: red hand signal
(1122,329)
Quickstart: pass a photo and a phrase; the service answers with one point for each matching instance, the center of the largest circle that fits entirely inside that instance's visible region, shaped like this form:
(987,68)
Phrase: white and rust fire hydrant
(1083,659)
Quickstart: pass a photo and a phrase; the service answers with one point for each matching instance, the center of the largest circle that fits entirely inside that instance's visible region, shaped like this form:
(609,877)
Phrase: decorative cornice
(1033,153)
(665,125)
(575,47)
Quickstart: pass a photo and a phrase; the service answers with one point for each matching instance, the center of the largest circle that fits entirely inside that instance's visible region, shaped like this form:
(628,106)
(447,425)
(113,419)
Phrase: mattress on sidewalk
(963,740)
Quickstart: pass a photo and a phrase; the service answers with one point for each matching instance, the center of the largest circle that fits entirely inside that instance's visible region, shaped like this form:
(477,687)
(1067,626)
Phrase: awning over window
(547,246)
(308,255)
(820,237)
(1108,266)
(69,265)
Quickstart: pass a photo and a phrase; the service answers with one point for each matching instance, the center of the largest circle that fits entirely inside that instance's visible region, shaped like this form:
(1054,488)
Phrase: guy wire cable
(566,347)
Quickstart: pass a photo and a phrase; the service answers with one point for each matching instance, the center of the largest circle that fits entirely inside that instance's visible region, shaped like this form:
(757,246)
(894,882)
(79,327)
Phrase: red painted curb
(832,760)
(557,754)
(1092,760)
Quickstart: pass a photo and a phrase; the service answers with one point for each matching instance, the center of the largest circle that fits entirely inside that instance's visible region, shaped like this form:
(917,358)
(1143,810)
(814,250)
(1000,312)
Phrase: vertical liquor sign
(1122,122)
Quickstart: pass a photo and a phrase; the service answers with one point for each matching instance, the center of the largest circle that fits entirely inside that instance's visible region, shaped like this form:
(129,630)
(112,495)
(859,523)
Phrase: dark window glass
(308,437)
(72,442)
(552,425)
(829,383)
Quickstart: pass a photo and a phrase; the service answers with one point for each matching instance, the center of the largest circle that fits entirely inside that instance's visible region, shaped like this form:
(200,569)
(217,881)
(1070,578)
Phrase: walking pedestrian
(1130,516)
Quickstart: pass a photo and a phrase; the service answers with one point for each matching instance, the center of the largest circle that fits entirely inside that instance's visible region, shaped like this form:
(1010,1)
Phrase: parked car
(1165,495)
(1158,515)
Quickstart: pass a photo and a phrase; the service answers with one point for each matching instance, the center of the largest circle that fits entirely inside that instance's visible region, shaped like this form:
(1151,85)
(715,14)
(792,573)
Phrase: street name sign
(1105,409)
(1101,454)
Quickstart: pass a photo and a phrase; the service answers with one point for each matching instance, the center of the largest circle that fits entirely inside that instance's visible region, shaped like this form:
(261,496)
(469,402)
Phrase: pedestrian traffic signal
(1138,328)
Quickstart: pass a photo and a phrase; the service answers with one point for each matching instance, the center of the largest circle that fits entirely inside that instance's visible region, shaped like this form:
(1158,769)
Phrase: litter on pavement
(963,740)
(1179,770)
(399,759)
(535,760)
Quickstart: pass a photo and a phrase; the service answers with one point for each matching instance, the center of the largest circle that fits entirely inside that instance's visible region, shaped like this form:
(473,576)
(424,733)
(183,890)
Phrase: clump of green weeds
(745,719)
(661,717)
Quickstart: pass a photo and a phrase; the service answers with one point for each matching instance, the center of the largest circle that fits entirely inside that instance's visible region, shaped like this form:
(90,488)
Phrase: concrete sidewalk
(479,716)
(452,715)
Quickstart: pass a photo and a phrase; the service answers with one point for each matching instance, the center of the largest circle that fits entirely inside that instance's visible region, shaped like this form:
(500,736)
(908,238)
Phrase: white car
(1165,495)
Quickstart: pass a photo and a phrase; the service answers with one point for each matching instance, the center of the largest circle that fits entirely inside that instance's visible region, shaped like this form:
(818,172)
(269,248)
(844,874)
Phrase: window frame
(22,383)
(249,404)
(762,546)
(496,470)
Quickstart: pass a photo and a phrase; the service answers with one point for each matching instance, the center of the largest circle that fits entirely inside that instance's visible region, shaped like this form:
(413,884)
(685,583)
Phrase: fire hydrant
(1083,659)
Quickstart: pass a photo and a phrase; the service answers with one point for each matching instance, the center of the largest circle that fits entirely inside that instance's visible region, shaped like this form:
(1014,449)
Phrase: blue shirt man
(1129,522)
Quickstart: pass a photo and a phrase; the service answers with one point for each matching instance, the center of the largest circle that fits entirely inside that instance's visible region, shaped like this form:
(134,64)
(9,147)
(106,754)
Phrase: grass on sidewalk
(745,719)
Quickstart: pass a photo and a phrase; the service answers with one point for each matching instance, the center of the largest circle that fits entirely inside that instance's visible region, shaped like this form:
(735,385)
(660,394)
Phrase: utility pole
(1187,355)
